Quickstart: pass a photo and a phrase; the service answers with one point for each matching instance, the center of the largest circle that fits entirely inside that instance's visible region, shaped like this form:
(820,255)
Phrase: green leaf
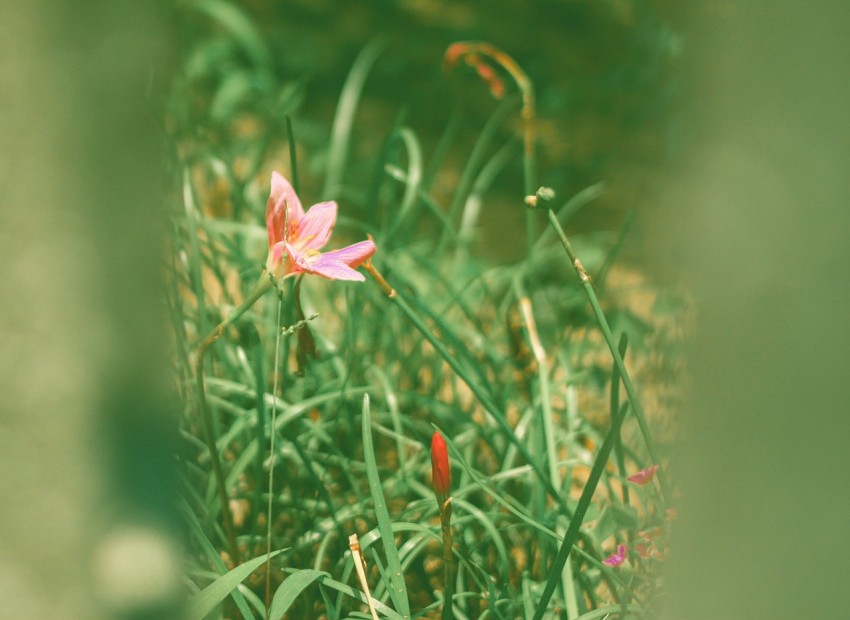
(234,20)
(347,590)
(290,589)
(213,556)
(344,117)
(397,587)
(207,599)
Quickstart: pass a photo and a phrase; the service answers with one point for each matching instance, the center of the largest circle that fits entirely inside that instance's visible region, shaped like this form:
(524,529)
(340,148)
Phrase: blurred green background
(609,88)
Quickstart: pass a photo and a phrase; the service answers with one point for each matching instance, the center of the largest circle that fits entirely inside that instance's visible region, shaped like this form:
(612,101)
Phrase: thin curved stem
(262,285)
(448,560)
(272,456)
(587,284)
(572,533)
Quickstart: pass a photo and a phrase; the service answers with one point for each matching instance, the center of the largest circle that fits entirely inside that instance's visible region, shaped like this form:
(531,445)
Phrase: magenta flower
(615,559)
(296,238)
(644,476)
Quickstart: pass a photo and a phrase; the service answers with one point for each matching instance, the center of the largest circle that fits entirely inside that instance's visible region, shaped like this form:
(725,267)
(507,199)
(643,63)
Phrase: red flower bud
(440,471)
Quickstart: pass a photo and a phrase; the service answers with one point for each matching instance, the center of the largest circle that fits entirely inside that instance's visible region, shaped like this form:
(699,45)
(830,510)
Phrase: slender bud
(440,469)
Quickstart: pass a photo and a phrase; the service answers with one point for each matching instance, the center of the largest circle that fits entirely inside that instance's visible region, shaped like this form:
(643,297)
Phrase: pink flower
(615,559)
(440,471)
(644,476)
(296,238)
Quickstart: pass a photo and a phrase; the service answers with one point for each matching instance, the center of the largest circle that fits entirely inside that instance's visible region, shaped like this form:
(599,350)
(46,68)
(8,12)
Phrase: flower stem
(272,457)
(571,536)
(262,285)
(448,560)
(586,283)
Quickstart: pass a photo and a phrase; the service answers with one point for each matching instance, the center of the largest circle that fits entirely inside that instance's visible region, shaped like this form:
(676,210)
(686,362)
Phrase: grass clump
(321,397)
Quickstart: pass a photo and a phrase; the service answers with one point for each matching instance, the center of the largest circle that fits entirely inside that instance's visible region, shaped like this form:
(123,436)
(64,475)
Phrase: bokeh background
(722,125)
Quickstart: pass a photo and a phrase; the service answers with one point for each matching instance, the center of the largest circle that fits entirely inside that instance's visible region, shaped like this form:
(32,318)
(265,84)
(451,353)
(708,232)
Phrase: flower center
(301,244)
(311,256)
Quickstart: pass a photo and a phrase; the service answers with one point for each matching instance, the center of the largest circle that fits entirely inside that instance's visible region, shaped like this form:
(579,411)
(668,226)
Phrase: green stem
(448,560)
(571,535)
(548,425)
(586,283)
(293,160)
(264,284)
(272,457)
(615,406)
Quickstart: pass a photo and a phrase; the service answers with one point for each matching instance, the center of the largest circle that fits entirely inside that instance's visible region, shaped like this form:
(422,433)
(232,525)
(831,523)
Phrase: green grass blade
(485,400)
(344,118)
(209,598)
(474,162)
(212,555)
(474,201)
(290,589)
(571,536)
(397,587)
(615,406)
(413,178)
(604,612)
(231,18)
(489,489)
(636,407)
(347,590)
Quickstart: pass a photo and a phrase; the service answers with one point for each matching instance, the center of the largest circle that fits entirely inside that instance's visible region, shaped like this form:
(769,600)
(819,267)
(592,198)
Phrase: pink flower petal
(275,261)
(615,559)
(335,270)
(326,265)
(314,229)
(299,262)
(281,198)
(353,255)
(644,476)
(282,189)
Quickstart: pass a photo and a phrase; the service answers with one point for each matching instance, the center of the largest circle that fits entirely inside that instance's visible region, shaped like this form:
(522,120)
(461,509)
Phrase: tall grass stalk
(272,456)
(589,290)
(571,535)
(262,285)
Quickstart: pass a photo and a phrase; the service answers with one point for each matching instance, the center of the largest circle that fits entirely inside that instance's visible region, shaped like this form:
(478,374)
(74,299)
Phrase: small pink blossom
(615,559)
(644,476)
(296,238)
